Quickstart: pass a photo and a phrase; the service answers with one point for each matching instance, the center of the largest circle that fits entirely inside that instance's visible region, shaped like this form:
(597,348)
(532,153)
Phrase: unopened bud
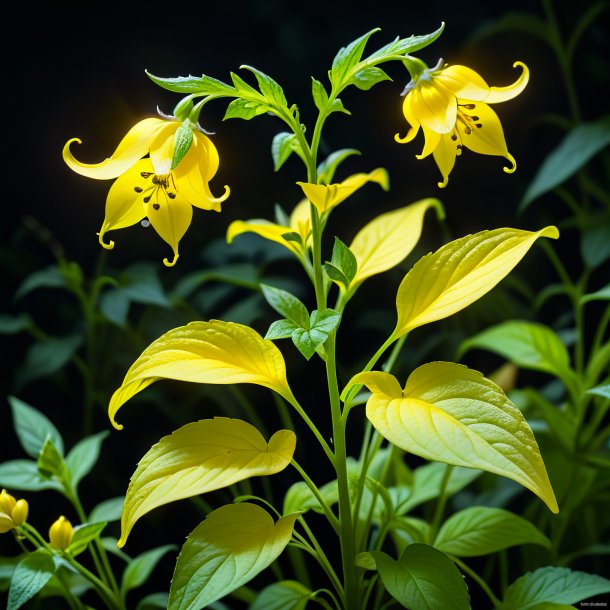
(20,512)
(60,534)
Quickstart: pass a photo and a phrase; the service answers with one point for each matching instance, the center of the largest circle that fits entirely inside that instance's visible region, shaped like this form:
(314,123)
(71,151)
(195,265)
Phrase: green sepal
(183,138)
(50,462)
(183,108)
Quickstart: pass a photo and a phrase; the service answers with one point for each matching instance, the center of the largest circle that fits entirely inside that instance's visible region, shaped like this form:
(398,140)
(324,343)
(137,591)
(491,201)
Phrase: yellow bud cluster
(61,533)
(13,513)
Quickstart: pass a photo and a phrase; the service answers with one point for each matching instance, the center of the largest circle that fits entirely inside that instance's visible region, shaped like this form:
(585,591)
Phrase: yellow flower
(13,513)
(61,533)
(162,187)
(451,105)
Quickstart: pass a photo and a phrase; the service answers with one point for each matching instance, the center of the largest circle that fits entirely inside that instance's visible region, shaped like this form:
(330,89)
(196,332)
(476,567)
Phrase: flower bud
(60,534)
(6,523)
(7,502)
(20,512)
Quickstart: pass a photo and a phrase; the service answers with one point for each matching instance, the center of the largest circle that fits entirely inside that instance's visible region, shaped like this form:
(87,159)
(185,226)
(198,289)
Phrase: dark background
(77,70)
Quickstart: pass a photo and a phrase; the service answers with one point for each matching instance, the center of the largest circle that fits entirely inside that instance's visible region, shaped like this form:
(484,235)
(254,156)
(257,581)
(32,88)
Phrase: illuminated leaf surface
(450,413)
(201,457)
(448,280)
(226,550)
(205,352)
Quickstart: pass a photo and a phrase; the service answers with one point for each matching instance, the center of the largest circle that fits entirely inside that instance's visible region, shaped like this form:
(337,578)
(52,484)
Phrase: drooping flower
(61,534)
(162,187)
(13,513)
(451,105)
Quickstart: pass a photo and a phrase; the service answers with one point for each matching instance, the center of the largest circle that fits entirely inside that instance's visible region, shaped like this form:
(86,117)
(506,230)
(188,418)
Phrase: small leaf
(573,152)
(108,510)
(553,585)
(344,260)
(205,352)
(328,167)
(282,147)
(320,97)
(205,85)
(286,305)
(31,574)
(450,413)
(141,284)
(529,345)
(11,325)
(423,579)
(462,271)
(367,78)
(200,457)
(270,89)
(83,535)
(601,390)
(83,456)
(388,239)
(23,475)
(346,59)
(51,277)
(308,340)
(603,294)
(140,568)
(226,550)
(51,462)
(33,428)
(152,601)
(114,305)
(299,498)
(283,595)
(281,329)
(595,245)
(245,109)
(482,530)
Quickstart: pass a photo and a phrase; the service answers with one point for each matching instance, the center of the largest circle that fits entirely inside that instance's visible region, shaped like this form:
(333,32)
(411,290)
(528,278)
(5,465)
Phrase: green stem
(494,600)
(441,503)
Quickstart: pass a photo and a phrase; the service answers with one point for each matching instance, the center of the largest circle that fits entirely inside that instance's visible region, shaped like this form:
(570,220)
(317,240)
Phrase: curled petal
(444,155)
(132,147)
(124,206)
(513,167)
(170,219)
(411,119)
(432,140)
(463,82)
(501,94)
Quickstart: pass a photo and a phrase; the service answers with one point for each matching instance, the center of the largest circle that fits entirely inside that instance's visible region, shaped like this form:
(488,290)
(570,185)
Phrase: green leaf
(108,510)
(595,245)
(283,595)
(11,325)
(282,147)
(423,579)
(573,152)
(226,550)
(367,78)
(346,59)
(600,390)
(603,294)
(400,46)
(50,277)
(328,167)
(201,457)
(140,568)
(553,585)
(281,329)
(245,109)
(286,305)
(33,428)
(23,475)
(183,138)
(83,456)
(482,530)
(48,357)
(460,272)
(525,23)
(114,306)
(324,320)
(152,601)
(449,413)
(320,97)
(344,260)
(51,462)
(529,345)
(205,85)
(270,89)
(320,325)
(83,535)
(141,284)
(31,574)
(299,498)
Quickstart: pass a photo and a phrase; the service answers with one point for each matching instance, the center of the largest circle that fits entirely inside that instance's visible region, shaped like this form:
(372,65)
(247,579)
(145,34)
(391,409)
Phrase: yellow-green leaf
(226,550)
(450,413)
(205,352)
(448,280)
(201,457)
(389,238)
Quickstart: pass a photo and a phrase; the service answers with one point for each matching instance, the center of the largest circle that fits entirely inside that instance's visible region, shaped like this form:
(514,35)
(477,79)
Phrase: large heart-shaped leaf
(462,271)
(205,352)
(450,413)
(226,550)
(201,457)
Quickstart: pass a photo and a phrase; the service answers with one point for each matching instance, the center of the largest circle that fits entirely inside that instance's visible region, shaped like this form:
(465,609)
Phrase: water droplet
(145,223)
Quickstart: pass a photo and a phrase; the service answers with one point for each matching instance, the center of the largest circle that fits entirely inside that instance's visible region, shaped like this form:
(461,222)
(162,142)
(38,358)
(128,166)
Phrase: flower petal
(434,106)
(162,148)
(132,147)
(124,206)
(170,219)
(463,82)
(444,155)
(411,119)
(264,228)
(501,94)
(300,220)
(431,142)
